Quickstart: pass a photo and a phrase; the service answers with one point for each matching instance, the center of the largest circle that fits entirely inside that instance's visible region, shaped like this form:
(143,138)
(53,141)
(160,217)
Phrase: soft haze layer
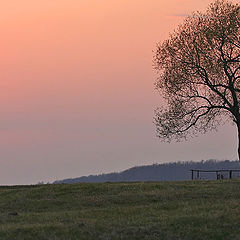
(77,94)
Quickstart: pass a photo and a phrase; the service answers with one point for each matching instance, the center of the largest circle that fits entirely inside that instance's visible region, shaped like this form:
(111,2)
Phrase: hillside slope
(178,171)
(190,210)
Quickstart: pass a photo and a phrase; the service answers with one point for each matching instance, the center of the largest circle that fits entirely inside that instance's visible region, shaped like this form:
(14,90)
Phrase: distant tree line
(177,171)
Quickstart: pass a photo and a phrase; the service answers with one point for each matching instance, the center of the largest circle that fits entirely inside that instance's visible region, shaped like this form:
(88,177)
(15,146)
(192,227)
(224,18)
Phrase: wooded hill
(176,171)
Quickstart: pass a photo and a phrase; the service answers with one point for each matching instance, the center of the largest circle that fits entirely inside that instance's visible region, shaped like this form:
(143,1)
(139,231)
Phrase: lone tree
(199,73)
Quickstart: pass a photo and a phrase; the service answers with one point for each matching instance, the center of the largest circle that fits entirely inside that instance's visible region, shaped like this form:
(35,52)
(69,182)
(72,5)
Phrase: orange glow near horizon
(76,76)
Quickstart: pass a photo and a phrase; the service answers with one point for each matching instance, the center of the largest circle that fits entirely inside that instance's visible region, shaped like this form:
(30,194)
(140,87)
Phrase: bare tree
(199,73)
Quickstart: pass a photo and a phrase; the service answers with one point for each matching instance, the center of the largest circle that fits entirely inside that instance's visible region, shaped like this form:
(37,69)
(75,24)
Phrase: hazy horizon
(78,92)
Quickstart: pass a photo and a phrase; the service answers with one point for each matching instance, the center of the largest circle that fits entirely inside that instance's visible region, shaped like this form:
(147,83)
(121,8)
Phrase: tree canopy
(198,70)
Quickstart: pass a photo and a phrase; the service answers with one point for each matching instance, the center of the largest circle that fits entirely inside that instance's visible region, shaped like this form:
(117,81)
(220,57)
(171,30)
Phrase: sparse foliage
(199,73)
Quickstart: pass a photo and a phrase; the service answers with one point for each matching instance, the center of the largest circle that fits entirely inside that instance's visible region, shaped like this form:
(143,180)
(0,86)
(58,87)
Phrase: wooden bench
(219,173)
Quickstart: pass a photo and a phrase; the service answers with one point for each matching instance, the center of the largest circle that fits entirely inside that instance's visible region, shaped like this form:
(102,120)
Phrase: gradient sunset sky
(77,89)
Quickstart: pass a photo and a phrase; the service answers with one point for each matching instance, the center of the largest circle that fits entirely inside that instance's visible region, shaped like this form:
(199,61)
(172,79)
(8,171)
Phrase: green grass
(178,210)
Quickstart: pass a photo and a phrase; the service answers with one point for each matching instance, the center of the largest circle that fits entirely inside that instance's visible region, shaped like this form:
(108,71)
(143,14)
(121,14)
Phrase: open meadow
(107,211)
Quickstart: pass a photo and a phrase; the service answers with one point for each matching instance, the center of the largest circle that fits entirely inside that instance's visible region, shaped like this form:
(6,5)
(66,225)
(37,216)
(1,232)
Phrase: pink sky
(77,94)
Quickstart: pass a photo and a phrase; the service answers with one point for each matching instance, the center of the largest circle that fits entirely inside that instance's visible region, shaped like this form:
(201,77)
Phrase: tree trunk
(238,127)
(238,144)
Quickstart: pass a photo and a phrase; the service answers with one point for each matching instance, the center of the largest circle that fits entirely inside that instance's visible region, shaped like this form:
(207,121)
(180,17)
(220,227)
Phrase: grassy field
(178,210)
